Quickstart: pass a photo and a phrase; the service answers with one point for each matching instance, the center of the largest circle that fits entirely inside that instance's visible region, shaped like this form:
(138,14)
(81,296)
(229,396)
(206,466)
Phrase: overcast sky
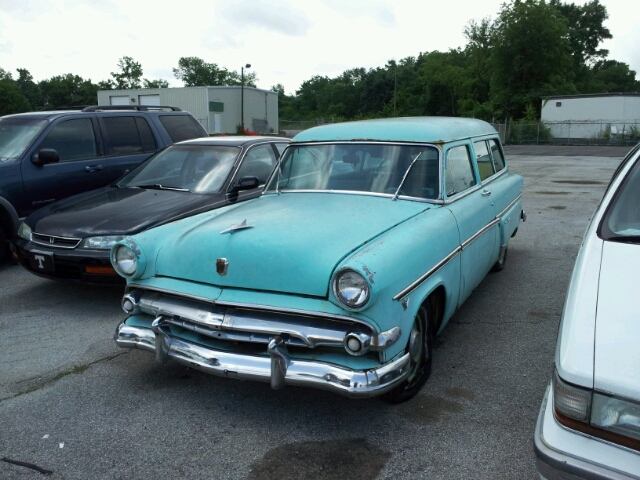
(285,41)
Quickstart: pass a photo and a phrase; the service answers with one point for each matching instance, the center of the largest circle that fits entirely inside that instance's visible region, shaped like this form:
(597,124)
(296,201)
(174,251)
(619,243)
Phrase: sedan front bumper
(564,454)
(279,368)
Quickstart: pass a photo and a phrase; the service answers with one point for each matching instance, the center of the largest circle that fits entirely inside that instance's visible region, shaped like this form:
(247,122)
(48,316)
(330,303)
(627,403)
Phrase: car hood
(292,243)
(617,333)
(113,211)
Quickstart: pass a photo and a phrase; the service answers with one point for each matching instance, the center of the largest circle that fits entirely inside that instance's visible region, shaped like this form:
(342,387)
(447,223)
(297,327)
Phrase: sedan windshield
(408,170)
(194,168)
(622,220)
(16,134)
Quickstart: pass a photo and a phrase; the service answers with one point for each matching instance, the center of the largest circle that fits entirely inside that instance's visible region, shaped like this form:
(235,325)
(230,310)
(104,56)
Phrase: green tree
(68,90)
(195,72)
(531,56)
(29,88)
(130,74)
(11,98)
(159,83)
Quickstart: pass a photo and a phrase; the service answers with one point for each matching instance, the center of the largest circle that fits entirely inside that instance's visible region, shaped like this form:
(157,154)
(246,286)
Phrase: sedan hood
(113,211)
(291,242)
(617,336)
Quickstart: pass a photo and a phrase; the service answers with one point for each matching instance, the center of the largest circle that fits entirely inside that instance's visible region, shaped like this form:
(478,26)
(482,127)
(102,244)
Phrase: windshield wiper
(157,186)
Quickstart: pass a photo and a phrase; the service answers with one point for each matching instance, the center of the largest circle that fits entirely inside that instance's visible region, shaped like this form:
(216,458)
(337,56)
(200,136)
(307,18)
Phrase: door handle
(92,168)
(486,192)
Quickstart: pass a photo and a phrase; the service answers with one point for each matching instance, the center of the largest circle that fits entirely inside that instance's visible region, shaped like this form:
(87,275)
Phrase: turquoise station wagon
(366,240)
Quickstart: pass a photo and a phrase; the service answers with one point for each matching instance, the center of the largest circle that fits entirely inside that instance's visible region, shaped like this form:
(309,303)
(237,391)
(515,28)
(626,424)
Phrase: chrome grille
(56,242)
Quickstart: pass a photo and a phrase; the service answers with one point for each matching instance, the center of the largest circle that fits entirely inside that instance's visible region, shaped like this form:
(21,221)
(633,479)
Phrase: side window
(146,137)
(498,158)
(258,162)
(123,136)
(458,171)
(485,167)
(182,127)
(72,139)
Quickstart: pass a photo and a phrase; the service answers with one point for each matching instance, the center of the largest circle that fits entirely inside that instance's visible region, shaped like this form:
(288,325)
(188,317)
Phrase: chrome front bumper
(279,368)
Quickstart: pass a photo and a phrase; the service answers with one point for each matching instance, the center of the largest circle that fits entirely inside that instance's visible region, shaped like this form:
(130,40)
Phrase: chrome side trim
(278,367)
(501,214)
(357,192)
(424,277)
(479,233)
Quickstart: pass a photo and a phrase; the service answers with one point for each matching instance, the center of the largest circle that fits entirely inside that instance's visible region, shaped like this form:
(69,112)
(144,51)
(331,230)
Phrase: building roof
(408,129)
(592,95)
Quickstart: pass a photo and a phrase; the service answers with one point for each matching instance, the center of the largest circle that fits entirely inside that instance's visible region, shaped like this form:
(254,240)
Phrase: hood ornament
(236,227)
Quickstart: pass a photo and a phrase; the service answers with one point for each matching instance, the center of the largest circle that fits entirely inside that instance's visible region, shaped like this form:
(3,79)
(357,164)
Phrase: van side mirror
(45,156)
(245,183)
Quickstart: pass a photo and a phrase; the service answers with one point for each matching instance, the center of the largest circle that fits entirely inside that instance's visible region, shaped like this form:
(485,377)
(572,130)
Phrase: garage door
(149,99)
(119,100)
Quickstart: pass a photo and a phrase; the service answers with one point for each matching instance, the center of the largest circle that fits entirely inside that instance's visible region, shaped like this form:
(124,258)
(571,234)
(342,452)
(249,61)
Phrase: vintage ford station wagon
(366,240)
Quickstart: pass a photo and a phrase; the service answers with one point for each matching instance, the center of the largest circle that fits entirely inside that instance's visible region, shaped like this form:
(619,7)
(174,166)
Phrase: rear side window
(483,159)
(182,127)
(458,172)
(124,137)
(258,162)
(72,139)
(498,158)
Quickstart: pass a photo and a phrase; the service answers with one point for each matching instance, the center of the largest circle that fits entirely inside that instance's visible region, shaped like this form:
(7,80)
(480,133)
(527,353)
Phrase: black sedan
(71,239)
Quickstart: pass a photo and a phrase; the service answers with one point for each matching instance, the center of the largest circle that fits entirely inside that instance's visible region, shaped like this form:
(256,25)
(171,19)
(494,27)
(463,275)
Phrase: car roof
(407,129)
(232,140)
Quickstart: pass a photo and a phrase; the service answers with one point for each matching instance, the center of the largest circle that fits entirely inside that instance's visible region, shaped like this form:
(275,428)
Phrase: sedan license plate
(42,262)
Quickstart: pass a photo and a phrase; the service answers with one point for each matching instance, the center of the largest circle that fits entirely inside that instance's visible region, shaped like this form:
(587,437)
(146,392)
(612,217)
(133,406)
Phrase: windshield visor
(17,134)
(622,220)
(197,168)
(409,170)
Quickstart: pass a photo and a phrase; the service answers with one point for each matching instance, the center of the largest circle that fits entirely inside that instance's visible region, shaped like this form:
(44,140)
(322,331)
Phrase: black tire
(4,246)
(422,331)
(502,260)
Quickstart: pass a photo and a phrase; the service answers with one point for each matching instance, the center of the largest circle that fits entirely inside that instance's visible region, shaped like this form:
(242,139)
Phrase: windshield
(360,167)
(17,134)
(195,168)
(622,220)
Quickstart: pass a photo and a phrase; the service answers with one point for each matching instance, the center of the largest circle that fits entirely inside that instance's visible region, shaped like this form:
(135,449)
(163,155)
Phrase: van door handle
(92,168)
(486,192)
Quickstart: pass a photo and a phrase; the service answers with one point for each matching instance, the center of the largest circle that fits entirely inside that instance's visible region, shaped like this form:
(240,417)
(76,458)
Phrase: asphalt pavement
(73,403)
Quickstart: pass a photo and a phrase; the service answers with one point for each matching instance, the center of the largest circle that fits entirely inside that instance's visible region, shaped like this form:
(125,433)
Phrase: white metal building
(218,109)
(592,115)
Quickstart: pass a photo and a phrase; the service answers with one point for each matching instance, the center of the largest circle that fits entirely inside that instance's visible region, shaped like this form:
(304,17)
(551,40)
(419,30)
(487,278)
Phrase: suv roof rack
(140,108)
(72,107)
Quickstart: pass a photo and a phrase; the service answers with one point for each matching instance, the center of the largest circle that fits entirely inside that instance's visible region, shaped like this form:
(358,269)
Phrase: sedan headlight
(24,231)
(101,243)
(351,289)
(124,260)
(613,419)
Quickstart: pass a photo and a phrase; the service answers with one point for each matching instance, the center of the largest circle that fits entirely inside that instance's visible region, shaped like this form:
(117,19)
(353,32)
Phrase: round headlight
(124,261)
(351,289)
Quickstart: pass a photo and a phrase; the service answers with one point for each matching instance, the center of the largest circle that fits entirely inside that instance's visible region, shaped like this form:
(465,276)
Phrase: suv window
(72,139)
(485,167)
(182,127)
(258,162)
(16,134)
(458,172)
(498,159)
(124,137)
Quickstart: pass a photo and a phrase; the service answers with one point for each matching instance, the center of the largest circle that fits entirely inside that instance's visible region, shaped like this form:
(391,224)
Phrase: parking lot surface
(72,403)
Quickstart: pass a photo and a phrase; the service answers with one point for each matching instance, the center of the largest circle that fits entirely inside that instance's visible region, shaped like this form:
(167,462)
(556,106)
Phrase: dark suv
(50,155)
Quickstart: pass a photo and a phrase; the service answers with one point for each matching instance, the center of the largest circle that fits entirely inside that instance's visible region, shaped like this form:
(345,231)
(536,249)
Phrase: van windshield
(17,134)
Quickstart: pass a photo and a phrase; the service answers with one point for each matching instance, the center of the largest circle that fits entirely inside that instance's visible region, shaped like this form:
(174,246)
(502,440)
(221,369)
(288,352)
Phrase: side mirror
(245,183)
(45,156)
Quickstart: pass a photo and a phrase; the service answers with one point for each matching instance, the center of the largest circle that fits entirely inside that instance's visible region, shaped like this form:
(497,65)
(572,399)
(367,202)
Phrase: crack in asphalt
(75,370)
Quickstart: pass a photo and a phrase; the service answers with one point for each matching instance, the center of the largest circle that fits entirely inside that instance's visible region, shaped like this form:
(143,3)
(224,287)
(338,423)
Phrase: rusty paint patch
(328,460)
(579,182)
(369,273)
